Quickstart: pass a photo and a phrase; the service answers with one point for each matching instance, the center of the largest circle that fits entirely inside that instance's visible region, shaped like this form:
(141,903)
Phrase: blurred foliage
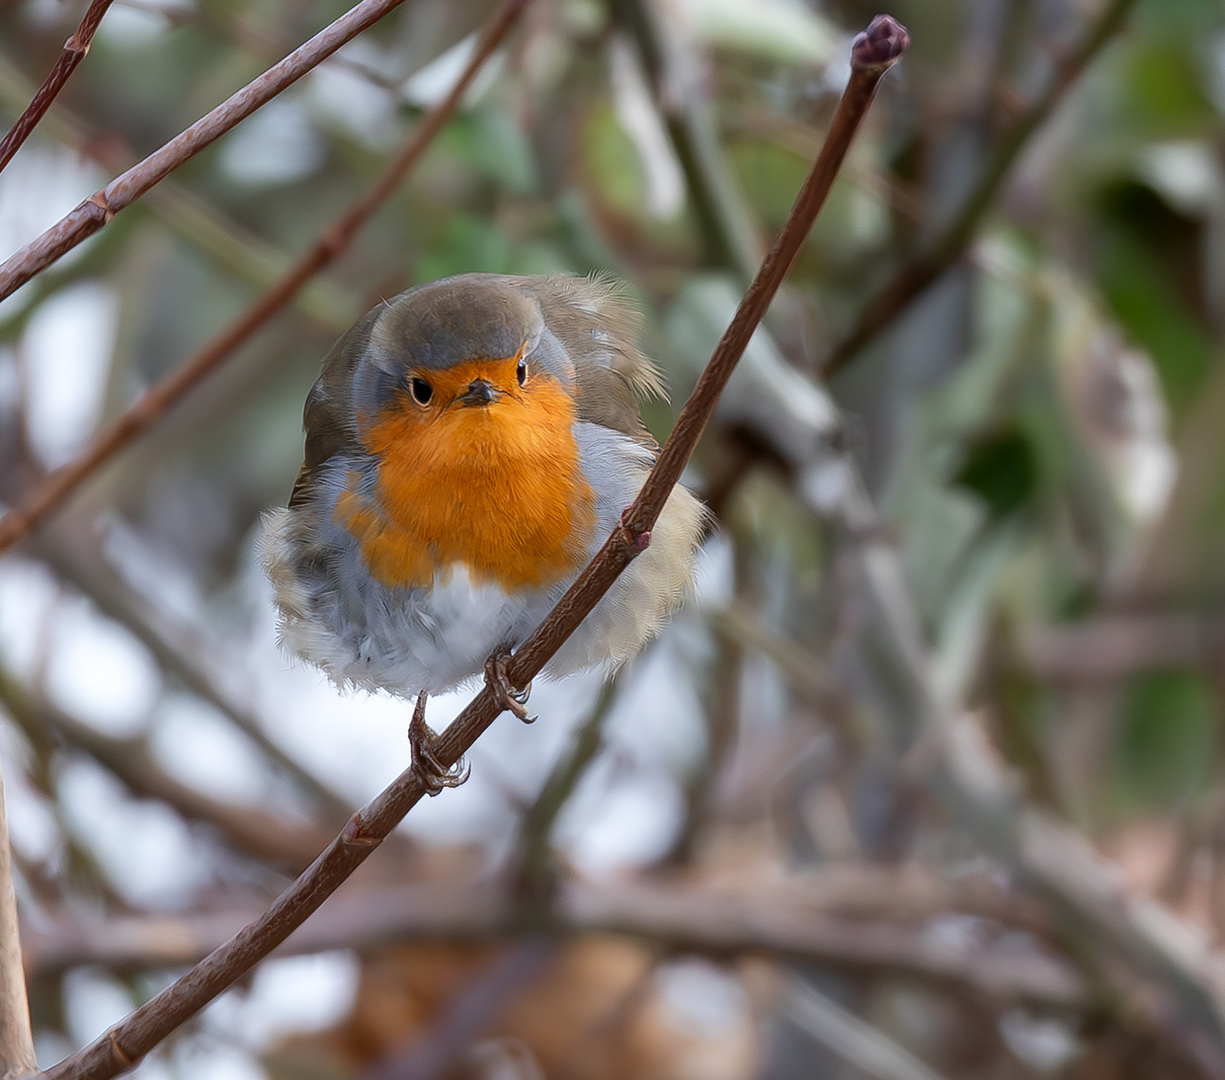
(1043,432)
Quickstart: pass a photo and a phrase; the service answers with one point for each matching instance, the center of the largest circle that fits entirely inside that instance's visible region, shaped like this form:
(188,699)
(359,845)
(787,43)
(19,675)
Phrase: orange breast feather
(497,488)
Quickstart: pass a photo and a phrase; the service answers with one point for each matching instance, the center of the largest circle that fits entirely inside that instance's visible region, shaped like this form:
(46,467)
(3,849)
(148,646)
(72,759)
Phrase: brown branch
(185,654)
(958,766)
(913,276)
(725,922)
(533,866)
(871,1051)
(440,1050)
(75,49)
(872,53)
(98,210)
(16,1038)
(471,905)
(866,919)
(153,404)
(231,246)
(264,834)
(1114,647)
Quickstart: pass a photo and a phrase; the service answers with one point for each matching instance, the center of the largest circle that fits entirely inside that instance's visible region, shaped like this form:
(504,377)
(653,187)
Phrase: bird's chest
(498,492)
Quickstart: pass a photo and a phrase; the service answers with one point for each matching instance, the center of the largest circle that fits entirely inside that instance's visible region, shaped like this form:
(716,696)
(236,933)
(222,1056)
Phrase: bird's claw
(505,695)
(432,773)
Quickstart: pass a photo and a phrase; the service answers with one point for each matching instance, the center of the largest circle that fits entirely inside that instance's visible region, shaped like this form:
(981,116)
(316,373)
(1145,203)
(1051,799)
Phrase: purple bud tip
(880,44)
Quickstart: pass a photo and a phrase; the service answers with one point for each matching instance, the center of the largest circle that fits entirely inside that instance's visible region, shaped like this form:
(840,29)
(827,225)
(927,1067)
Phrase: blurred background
(997,363)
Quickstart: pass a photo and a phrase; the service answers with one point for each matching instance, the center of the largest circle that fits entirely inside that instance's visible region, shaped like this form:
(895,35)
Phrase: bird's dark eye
(421,391)
(521,371)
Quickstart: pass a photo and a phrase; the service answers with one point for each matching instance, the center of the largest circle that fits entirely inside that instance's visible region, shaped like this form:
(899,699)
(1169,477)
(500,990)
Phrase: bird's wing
(598,327)
(328,416)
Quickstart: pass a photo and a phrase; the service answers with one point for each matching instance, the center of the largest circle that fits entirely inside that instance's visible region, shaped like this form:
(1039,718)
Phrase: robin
(470,444)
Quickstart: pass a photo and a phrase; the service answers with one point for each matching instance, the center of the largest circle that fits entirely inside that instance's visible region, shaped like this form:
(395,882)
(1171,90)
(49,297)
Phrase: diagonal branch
(855,1041)
(913,276)
(75,49)
(439,1051)
(975,788)
(98,210)
(231,246)
(533,865)
(186,655)
(153,404)
(265,834)
(118,1049)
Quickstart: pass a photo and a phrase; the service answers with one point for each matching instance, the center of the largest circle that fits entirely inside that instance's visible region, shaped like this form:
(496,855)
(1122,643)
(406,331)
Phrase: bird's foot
(506,696)
(432,773)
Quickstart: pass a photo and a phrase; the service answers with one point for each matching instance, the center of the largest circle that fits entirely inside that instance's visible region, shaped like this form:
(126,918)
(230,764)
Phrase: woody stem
(74,51)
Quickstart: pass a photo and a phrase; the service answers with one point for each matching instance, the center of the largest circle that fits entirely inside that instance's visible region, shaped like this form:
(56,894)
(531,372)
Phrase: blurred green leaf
(471,244)
(1140,282)
(611,162)
(488,141)
(1001,470)
(1161,90)
(1166,741)
(770,175)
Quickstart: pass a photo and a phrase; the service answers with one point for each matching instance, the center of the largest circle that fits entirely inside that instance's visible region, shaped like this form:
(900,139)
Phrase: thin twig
(183,652)
(872,54)
(726,225)
(440,1050)
(75,49)
(1116,646)
(100,208)
(16,1038)
(1054,860)
(262,833)
(533,865)
(913,277)
(153,404)
(866,1047)
(871,922)
(231,246)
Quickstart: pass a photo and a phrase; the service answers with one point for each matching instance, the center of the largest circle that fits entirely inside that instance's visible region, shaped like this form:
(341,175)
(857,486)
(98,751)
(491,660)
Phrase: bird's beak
(479,392)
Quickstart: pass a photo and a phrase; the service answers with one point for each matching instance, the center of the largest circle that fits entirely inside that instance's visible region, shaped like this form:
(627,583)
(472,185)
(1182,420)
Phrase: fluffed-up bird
(470,444)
